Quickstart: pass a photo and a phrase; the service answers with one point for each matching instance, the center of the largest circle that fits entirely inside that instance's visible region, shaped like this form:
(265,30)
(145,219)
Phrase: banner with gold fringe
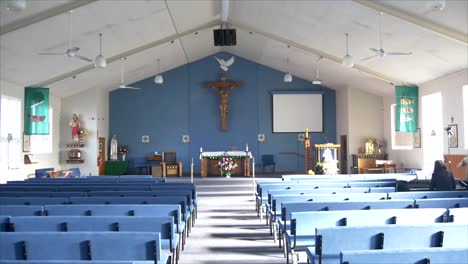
(406,111)
(36,111)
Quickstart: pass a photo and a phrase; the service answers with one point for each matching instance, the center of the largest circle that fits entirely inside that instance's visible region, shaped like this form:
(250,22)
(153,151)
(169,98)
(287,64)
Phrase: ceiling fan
(122,85)
(71,52)
(380,53)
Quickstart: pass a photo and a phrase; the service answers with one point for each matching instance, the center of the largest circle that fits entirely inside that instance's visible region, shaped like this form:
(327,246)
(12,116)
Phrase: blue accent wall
(183,106)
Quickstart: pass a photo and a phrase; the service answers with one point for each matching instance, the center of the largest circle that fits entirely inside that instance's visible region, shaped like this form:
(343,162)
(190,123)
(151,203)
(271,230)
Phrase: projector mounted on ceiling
(224,37)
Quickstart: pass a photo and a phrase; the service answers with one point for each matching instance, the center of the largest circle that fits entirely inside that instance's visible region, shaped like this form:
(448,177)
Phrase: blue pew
(427,194)
(73,262)
(138,246)
(164,225)
(41,194)
(401,256)
(4,223)
(441,203)
(303,224)
(331,241)
(154,210)
(20,210)
(458,215)
(32,200)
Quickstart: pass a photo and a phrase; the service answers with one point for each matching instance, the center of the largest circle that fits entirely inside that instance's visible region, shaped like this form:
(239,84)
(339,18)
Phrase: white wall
(91,106)
(452,104)
(342,118)
(44,160)
(365,118)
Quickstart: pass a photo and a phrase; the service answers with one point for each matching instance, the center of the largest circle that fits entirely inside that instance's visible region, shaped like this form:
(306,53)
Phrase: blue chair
(142,166)
(268,160)
(42,173)
(76,173)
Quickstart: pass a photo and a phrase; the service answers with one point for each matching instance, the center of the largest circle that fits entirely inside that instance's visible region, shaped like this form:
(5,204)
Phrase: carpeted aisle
(227,229)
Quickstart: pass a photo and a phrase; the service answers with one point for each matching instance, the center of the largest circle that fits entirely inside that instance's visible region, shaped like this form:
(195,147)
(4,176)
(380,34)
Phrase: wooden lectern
(307,152)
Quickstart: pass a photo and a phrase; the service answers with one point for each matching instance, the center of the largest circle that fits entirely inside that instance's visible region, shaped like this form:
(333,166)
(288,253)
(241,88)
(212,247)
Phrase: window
(10,133)
(400,140)
(42,143)
(432,131)
(465,113)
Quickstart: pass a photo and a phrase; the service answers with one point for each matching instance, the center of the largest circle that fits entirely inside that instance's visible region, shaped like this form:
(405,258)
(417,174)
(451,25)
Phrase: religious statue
(223,87)
(113,148)
(75,128)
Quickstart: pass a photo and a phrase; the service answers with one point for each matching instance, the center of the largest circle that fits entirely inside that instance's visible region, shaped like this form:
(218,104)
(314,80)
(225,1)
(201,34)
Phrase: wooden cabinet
(363,163)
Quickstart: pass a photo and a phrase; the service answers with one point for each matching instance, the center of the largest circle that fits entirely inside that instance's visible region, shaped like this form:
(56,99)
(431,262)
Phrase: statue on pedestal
(113,148)
(75,128)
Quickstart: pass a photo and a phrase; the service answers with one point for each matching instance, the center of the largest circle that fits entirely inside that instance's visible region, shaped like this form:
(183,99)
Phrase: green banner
(36,111)
(406,111)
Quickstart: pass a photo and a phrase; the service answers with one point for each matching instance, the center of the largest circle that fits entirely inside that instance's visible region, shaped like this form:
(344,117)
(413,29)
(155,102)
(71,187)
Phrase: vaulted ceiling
(268,32)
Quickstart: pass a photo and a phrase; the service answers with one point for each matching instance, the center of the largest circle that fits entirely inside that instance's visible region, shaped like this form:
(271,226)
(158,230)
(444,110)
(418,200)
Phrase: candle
(192,160)
(247,147)
(307,133)
(201,149)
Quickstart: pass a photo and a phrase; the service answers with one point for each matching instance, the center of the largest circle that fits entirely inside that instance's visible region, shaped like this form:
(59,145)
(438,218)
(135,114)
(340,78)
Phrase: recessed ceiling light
(196,33)
(74,77)
(437,5)
(250,32)
(172,41)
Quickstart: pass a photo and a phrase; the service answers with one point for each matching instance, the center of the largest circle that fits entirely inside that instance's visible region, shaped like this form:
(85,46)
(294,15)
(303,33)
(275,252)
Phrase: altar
(209,161)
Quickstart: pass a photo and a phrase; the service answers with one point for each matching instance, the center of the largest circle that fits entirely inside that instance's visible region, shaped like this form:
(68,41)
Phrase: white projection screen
(294,112)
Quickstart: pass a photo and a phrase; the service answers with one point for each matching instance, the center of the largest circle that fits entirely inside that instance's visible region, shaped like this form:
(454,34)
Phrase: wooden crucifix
(223,87)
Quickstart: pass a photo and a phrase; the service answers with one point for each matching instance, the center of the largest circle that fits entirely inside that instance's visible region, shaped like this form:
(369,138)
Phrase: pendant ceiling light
(158,78)
(16,5)
(287,78)
(317,80)
(347,60)
(100,61)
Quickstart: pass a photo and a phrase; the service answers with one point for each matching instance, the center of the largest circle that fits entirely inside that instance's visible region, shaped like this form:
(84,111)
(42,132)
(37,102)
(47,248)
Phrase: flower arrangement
(123,149)
(226,165)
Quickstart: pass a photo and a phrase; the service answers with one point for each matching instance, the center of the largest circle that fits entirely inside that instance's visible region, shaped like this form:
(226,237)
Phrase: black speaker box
(218,36)
(224,37)
(230,37)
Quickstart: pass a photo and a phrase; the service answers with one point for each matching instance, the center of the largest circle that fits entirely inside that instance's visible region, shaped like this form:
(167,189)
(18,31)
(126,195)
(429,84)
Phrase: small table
(60,174)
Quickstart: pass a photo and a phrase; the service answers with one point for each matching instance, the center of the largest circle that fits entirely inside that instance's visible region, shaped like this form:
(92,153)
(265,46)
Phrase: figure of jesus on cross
(224,88)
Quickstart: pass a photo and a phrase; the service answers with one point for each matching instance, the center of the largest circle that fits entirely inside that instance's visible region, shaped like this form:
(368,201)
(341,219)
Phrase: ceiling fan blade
(374,50)
(51,53)
(399,53)
(129,87)
(368,58)
(82,58)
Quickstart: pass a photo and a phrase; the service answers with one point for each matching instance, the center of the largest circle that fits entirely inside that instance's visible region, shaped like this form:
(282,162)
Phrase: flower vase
(228,174)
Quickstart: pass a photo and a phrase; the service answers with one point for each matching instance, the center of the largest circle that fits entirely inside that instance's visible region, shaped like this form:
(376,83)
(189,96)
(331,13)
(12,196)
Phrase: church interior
(240,131)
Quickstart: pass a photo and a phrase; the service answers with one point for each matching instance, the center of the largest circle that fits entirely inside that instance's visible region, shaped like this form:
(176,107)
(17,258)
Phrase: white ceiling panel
(252,46)
(188,14)
(199,44)
(33,8)
(453,16)
(130,27)
(124,25)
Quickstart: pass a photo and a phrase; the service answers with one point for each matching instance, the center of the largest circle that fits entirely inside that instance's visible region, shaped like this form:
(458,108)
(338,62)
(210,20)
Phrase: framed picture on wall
(26,143)
(417,138)
(452,131)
